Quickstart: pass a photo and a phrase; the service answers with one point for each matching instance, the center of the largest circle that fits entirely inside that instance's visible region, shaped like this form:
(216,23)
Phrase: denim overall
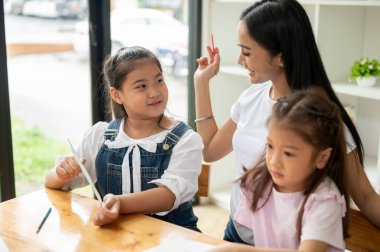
(109,174)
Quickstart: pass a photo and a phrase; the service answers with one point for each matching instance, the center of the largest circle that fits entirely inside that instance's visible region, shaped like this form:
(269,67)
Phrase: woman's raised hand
(208,67)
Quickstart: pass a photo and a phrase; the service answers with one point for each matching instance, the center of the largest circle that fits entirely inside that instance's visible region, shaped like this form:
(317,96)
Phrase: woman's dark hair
(116,68)
(316,119)
(282,26)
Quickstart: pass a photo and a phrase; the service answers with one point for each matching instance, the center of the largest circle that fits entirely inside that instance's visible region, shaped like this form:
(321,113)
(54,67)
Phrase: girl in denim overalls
(143,161)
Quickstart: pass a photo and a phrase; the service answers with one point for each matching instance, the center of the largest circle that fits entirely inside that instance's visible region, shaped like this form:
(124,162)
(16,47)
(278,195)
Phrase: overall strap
(173,137)
(112,130)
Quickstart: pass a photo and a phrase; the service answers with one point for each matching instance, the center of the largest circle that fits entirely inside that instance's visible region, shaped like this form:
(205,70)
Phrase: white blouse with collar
(181,176)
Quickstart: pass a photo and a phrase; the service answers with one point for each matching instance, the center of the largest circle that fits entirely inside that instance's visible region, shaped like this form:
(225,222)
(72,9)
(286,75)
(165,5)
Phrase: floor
(212,219)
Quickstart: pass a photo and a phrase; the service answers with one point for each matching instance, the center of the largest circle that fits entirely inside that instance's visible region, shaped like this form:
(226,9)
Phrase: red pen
(212,45)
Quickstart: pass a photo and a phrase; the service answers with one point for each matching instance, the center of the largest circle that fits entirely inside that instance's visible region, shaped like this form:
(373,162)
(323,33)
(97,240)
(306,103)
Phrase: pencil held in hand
(212,45)
(43,220)
(84,171)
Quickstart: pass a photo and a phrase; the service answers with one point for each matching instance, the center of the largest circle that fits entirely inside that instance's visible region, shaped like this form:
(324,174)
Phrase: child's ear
(322,158)
(115,95)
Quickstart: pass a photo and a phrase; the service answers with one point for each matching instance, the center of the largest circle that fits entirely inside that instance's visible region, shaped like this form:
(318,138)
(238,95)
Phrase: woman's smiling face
(261,65)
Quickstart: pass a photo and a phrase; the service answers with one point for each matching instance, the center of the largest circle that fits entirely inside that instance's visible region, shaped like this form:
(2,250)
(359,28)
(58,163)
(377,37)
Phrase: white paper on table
(84,171)
(180,245)
(3,246)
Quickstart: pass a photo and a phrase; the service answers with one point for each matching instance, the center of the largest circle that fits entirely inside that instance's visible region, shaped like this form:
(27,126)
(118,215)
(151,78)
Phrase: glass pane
(49,84)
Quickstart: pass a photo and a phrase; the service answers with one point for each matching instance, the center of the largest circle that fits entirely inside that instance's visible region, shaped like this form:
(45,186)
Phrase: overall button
(165,146)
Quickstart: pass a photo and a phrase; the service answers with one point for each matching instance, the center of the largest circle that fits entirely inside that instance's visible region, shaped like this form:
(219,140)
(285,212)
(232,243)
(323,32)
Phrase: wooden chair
(364,236)
(203,180)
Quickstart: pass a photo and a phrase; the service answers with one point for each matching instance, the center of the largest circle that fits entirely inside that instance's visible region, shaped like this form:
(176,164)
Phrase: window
(48,85)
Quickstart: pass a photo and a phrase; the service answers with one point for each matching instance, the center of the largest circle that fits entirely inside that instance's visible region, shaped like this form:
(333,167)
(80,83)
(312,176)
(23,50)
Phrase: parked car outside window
(14,6)
(73,9)
(153,29)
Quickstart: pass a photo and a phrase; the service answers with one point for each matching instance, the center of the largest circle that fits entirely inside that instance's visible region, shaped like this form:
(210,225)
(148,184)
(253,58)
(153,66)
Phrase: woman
(278,49)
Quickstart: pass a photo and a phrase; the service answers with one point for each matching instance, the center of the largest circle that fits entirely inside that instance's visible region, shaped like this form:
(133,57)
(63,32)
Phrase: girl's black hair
(282,26)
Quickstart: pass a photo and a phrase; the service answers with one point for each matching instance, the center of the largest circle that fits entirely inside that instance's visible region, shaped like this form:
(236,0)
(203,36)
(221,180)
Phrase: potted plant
(365,71)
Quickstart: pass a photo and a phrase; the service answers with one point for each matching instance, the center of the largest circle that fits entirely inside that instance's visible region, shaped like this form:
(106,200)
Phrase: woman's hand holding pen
(68,168)
(208,67)
(108,210)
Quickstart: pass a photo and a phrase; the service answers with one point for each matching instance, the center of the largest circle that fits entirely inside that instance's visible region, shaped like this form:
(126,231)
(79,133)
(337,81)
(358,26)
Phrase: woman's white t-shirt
(250,113)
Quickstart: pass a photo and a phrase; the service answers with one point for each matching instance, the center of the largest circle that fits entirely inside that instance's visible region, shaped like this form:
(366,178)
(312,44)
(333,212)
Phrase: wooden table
(364,236)
(69,226)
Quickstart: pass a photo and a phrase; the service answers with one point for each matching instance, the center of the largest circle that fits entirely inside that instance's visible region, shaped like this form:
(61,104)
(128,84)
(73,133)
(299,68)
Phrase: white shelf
(354,90)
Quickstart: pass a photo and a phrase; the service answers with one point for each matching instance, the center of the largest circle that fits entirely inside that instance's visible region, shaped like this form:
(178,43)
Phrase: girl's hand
(108,210)
(68,168)
(207,67)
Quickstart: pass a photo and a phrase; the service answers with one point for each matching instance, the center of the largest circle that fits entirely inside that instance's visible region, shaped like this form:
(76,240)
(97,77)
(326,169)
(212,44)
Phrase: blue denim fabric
(230,233)
(109,175)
